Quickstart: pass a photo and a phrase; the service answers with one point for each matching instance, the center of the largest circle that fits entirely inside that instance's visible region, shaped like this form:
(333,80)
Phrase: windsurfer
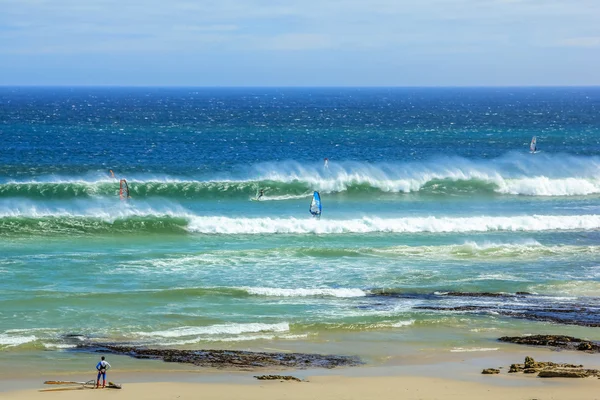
(124,190)
(315,205)
(533,145)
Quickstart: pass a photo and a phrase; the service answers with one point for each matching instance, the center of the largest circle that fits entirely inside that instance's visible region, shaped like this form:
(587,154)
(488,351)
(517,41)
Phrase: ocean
(440,231)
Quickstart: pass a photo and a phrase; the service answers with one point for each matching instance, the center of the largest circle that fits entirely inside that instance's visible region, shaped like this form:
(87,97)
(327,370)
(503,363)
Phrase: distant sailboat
(533,145)
(315,205)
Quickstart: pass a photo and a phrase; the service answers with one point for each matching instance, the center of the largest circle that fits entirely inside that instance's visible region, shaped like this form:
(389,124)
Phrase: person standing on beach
(102,366)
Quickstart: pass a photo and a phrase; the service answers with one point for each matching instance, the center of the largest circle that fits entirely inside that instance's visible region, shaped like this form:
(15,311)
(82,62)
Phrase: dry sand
(343,388)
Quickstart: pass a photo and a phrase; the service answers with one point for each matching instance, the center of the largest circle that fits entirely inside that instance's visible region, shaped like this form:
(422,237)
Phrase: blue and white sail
(533,145)
(315,205)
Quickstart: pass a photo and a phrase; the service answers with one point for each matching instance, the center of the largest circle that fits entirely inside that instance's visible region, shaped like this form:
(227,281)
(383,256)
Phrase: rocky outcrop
(531,366)
(277,378)
(484,294)
(490,371)
(568,373)
(547,369)
(516,368)
(559,341)
(457,308)
(227,358)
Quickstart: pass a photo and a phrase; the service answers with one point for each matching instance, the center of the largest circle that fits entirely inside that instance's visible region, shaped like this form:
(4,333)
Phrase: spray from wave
(514,174)
(31,219)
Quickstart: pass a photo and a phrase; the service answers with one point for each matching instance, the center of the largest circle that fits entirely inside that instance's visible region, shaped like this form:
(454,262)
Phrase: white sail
(533,145)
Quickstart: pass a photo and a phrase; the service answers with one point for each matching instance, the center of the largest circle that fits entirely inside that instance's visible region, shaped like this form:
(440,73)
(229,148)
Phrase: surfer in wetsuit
(102,366)
(326,163)
(260,194)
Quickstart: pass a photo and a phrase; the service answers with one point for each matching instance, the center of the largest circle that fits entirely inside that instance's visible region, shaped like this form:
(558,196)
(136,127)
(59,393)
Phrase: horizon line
(295,87)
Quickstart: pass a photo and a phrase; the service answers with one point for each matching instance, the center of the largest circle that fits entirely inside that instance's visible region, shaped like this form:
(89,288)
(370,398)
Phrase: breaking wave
(129,220)
(302,292)
(514,174)
(219,329)
(225,225)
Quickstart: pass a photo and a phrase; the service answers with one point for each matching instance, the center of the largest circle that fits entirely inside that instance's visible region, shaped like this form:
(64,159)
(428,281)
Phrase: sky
(300,42)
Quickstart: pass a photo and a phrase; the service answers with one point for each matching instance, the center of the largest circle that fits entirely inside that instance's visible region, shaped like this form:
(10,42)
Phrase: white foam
(513,173)
(301,292)
(285,197)
(544,186)
(101,209)
(226,225)
(401,324)
(59,346)
(221,329)
(472,349)
(11,340)
(477,330)
(526,248)
(567,290)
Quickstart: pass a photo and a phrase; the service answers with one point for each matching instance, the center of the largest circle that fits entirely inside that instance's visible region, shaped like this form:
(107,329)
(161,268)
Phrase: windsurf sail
(315,205)
(533,144)
(123,189)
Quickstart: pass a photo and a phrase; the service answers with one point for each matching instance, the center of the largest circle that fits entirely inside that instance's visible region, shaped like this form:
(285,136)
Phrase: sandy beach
(444,376)
(339,387)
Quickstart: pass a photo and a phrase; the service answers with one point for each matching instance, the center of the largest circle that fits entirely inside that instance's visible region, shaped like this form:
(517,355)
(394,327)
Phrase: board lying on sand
(73,385)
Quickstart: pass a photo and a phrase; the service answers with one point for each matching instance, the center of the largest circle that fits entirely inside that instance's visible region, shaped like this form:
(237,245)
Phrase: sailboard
(74,385)
(123,190)
(315,205)
(533,145)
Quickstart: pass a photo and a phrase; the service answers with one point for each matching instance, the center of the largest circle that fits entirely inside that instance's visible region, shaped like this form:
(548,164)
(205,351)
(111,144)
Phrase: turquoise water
(426,193)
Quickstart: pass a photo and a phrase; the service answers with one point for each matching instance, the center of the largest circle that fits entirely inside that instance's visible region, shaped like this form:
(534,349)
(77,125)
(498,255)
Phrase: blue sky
(300,42)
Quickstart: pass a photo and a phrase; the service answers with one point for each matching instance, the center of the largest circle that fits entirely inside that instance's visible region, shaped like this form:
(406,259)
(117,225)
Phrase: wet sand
(341,387)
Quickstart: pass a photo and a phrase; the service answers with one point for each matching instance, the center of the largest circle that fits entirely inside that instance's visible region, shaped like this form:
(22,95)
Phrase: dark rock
(529,362)
(531,366)
(490,371)
(478,294)
(585,346)
(540,315)
(277,378)
(567,373)
(516,368)
(560,341)
(458,308)
(226,358)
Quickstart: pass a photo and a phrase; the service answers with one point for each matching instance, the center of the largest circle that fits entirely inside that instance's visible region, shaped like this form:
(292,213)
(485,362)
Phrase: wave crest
(136,221)
(515,174)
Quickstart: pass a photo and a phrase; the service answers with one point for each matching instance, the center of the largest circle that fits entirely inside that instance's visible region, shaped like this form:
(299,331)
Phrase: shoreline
(459,370)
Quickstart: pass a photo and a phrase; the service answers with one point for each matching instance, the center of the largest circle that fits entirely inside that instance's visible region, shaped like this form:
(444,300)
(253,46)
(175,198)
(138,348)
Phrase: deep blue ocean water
(428,194)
